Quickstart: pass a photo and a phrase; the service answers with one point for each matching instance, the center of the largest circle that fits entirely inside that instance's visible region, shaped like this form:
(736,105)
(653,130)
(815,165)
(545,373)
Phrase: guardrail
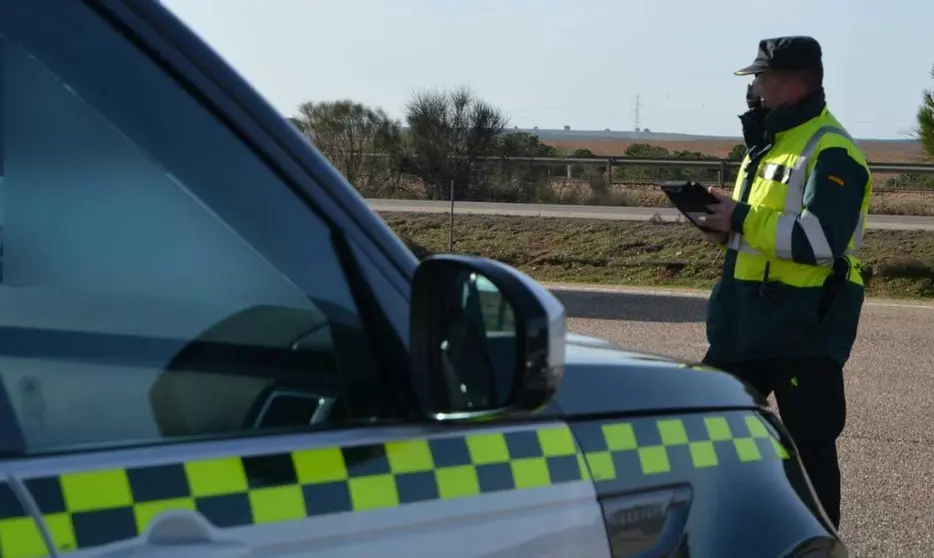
(709,164)
(720,165)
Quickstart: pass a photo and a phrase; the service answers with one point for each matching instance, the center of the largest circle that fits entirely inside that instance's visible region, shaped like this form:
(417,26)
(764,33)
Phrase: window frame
(377,276)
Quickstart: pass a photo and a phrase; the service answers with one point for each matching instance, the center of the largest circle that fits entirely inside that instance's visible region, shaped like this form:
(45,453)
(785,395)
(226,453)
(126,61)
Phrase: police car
(210,346)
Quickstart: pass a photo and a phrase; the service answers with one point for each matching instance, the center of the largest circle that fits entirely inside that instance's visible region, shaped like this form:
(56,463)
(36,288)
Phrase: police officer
(784,314)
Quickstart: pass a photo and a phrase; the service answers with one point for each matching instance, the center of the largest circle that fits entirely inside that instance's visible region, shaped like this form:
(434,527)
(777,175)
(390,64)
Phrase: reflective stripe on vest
(794,200)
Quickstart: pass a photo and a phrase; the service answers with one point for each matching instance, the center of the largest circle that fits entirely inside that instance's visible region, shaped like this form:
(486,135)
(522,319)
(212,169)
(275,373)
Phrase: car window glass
(131,309)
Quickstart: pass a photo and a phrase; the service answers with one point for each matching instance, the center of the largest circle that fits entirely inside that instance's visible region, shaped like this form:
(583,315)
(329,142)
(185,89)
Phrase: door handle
(180,534)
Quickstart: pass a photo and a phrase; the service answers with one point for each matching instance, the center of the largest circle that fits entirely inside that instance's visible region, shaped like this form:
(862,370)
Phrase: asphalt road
(887,447)
(610,213)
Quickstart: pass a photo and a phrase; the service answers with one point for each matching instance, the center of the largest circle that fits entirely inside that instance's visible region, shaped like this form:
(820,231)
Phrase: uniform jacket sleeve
(823,228)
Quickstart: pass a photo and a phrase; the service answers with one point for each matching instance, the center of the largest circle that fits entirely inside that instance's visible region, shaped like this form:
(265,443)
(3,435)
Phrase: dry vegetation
(898,263)
(876,151)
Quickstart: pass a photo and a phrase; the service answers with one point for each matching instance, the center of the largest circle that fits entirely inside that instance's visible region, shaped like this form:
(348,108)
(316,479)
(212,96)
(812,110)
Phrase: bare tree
(449,133)
(363,143)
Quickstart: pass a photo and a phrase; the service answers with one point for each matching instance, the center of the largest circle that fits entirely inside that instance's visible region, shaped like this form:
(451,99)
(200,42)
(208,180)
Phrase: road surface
(611,213)
(887,447)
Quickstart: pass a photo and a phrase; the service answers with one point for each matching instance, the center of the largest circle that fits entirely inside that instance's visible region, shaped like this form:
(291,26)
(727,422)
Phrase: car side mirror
(486,339)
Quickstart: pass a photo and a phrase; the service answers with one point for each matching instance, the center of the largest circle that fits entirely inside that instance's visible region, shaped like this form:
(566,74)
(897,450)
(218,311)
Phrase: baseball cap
(785,53)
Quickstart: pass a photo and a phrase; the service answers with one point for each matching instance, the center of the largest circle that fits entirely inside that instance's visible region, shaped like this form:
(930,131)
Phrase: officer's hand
(721,212)
(715,238)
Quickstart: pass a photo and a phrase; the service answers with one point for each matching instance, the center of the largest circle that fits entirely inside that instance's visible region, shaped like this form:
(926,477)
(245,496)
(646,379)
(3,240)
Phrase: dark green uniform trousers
(812,405)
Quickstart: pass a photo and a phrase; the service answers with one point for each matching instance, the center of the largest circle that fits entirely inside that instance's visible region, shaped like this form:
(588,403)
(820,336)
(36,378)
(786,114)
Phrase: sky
(580,63)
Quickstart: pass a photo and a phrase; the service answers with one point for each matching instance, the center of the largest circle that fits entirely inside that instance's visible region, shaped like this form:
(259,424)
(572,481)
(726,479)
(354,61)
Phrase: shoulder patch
(836,167)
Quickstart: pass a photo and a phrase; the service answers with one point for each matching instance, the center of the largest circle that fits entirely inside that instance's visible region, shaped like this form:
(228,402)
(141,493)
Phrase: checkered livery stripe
(20,536)
(86,509)
(645,448)
(93,508)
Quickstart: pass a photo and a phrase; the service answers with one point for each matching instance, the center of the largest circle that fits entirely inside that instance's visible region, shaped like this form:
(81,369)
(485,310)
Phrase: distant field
(876,151)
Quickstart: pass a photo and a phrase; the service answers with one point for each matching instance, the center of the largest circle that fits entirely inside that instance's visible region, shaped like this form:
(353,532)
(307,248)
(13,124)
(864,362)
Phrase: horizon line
(605,134)
(624,134)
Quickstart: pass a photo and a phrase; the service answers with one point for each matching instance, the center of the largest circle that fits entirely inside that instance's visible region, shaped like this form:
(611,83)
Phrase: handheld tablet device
(691,199)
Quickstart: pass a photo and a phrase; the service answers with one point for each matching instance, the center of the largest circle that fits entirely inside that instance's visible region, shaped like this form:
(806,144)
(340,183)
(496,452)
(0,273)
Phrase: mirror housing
(486,339)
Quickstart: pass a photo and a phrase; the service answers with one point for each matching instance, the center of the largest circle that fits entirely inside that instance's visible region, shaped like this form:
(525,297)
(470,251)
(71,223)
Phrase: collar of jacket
(785,118)
(761,125)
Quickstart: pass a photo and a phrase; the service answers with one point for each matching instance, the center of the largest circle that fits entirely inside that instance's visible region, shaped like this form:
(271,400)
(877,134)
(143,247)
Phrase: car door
(199,351)
(396,491)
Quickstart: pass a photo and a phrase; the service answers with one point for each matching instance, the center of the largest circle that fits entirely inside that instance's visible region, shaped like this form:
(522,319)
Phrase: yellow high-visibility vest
(779,184)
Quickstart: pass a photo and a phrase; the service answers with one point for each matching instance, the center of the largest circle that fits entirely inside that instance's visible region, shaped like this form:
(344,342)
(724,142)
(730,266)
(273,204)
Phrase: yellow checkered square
(20,537)
(214,477)
(96,490)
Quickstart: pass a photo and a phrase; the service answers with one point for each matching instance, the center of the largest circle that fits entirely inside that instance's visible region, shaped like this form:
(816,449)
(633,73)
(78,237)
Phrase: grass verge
(898,264)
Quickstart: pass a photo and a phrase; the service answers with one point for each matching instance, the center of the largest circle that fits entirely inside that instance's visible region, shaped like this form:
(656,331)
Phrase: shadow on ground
(632,307)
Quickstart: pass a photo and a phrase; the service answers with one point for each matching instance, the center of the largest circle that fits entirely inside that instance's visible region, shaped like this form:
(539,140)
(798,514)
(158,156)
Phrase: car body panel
(730,461)
(396,491)
(601,378)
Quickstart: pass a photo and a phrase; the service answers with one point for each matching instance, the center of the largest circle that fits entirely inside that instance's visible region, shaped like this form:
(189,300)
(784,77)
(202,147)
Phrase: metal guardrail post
(451,225)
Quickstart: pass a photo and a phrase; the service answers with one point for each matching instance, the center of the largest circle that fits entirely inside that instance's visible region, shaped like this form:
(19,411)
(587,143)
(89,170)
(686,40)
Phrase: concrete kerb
(705,293)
